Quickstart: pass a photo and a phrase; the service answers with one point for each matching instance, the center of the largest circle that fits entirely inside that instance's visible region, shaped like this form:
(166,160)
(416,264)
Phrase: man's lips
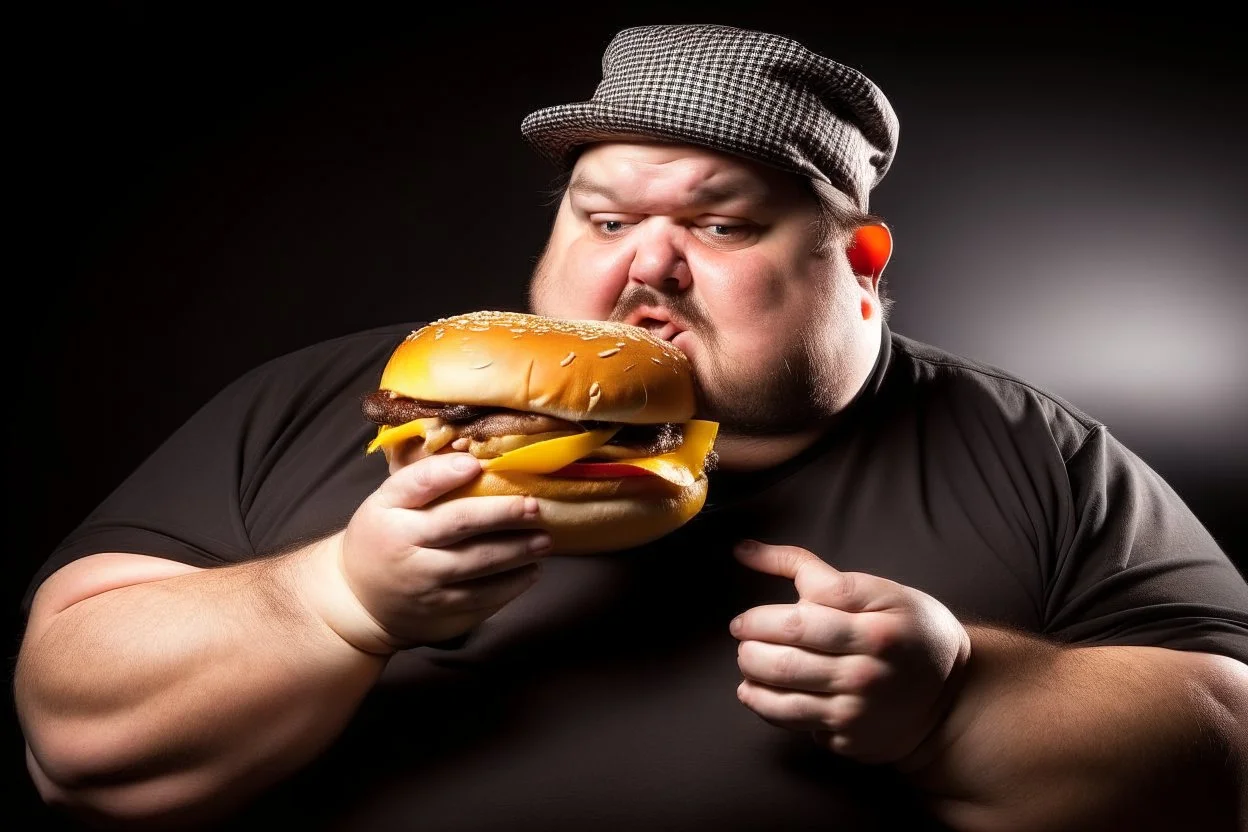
(657,320)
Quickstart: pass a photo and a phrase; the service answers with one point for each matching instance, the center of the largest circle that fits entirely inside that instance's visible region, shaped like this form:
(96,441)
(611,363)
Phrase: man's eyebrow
(582,185)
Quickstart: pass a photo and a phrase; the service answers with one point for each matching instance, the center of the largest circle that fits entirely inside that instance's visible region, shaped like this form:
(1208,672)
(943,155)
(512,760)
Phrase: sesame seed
(608,353)
(567,359)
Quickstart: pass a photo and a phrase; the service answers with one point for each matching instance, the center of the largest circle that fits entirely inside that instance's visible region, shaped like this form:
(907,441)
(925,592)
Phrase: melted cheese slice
(388,436)
(683,466)
(550,455)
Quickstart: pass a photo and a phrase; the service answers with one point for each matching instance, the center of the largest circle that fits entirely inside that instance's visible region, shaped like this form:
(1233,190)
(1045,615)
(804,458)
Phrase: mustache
(682,306)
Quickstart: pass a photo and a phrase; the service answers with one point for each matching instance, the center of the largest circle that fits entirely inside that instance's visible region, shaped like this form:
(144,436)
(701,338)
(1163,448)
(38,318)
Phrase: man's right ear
(870,250)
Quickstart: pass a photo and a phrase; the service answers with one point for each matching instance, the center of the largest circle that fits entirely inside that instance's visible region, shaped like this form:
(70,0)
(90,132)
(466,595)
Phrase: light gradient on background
(1089,237)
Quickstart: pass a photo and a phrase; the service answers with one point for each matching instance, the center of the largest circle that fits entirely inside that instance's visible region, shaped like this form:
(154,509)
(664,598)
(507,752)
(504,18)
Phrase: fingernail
(540,543)
(530,507)
(734,626)
(746,547)
(465,463)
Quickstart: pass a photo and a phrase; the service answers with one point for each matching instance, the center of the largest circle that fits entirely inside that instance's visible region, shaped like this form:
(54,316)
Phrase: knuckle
(788,665)
(437,567)
(845,585)
(424,474)
(456,520)
(793,624)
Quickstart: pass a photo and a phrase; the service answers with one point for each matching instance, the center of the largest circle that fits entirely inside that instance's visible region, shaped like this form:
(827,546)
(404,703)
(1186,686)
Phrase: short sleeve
(275,458)
(1136,566)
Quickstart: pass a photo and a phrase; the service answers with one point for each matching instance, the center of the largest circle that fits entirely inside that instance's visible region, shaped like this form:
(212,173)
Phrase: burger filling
(491,432)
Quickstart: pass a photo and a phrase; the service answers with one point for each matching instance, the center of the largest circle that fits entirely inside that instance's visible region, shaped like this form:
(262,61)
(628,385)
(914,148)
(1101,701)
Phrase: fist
(867,665)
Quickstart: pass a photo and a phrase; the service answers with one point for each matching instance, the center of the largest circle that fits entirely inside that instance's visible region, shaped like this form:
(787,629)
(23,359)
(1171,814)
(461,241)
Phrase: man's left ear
(870,250)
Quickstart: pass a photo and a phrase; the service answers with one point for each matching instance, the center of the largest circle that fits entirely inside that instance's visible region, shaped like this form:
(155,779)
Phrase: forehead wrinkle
(685,186)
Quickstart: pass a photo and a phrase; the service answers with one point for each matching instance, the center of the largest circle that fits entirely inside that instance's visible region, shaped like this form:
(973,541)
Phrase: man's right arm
(152,691)
(148,694)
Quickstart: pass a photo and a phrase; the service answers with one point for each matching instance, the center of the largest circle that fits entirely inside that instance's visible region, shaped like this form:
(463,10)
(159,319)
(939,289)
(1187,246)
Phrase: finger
(794,668)
(422,482)
(491,554)
(782,561)
(487,593)
(799,710)
(804,624)
(451,521)
(842,744)
(817,580)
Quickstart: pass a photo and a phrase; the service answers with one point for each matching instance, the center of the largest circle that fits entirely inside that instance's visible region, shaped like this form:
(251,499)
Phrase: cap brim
(556,132)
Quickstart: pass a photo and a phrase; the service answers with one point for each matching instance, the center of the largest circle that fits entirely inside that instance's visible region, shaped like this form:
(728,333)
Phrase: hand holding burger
(509,438)
(593,419)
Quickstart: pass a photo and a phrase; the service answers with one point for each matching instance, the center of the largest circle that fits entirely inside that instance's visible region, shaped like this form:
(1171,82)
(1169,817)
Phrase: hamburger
(593,418)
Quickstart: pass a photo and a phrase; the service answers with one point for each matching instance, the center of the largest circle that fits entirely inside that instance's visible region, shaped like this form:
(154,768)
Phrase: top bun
(575,370)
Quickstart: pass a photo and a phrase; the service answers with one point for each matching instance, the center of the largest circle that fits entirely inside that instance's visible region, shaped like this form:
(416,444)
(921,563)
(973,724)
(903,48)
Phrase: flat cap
(758,95)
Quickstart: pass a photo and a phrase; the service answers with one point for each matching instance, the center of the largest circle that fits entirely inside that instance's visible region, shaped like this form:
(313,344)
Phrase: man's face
(717,255)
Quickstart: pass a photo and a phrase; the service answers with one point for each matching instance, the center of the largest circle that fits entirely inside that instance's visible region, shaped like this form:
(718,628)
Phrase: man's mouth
(657,320)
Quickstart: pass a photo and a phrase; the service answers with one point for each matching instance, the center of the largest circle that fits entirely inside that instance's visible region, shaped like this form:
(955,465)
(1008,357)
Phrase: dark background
(202,189)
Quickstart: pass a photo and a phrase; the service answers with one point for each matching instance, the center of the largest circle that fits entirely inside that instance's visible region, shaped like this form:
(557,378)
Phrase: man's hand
(866,664)
(417,571)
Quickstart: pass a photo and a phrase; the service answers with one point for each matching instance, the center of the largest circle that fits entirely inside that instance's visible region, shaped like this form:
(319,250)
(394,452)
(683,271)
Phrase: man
(964,603)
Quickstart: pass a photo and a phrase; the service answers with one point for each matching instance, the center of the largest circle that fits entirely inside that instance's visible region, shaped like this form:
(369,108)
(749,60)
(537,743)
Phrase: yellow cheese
(389,436)
(682,466)
(551,455)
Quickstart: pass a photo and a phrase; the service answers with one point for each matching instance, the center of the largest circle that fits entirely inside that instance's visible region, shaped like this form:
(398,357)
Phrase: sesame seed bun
(573,370)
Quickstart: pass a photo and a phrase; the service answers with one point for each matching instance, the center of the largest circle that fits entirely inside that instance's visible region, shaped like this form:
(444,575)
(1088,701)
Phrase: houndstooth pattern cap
(753,94)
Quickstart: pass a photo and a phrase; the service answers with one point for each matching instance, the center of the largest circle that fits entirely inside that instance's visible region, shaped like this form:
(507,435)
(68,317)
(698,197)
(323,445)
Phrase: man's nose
(659,259)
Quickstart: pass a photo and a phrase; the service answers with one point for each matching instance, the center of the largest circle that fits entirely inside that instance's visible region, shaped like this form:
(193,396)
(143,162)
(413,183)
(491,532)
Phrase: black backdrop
(204,189)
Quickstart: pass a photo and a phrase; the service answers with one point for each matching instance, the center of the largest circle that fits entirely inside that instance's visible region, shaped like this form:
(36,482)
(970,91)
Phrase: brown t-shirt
(604,698)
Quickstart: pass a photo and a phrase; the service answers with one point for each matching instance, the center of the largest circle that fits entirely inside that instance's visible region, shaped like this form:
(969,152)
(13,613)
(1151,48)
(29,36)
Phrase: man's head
(717,180)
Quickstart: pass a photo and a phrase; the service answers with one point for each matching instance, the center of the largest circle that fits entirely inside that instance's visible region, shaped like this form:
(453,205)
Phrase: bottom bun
(585,516)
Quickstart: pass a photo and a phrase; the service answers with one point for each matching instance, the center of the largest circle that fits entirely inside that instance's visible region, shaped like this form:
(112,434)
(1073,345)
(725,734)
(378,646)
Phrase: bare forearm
(1042,737)
(194,690)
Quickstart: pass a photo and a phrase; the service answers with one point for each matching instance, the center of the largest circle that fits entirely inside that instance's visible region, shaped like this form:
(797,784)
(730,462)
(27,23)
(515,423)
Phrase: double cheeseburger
(591,418)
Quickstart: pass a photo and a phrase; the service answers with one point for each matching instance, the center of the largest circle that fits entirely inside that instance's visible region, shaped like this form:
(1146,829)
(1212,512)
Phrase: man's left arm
(1001,730)
(1042,737)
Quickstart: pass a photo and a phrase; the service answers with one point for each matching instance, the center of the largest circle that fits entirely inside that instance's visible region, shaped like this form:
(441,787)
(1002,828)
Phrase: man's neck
(753,453)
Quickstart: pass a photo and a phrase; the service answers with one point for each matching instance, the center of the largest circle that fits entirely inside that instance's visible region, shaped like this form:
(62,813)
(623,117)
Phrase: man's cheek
(594,277)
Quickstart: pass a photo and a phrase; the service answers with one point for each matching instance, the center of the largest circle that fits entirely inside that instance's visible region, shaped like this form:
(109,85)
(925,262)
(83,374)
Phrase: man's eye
(720,231)
(611,226)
